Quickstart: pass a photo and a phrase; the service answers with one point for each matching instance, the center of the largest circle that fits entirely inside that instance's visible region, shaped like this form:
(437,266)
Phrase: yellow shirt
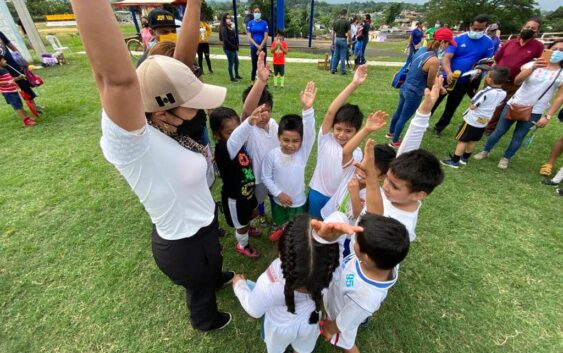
(204,32)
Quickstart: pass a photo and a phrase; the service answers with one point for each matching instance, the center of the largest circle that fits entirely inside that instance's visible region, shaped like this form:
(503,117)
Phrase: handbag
(33,79)
(522,112)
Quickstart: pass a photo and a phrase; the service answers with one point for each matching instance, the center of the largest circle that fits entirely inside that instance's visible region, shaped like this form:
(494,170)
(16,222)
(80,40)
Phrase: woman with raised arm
(147,120)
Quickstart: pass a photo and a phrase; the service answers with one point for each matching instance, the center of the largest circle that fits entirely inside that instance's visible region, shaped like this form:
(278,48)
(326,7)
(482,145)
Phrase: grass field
(77,273)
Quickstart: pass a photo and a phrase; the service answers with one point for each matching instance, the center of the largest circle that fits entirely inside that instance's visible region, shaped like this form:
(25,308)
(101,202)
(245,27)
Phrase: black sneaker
(450,163)
(559,191)
(234,80)
(549,182)
(238,77)
(227,277)
(221,321)
(437,133)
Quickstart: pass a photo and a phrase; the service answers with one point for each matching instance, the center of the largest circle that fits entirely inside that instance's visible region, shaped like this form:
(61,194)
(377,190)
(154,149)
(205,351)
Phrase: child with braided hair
(288,293)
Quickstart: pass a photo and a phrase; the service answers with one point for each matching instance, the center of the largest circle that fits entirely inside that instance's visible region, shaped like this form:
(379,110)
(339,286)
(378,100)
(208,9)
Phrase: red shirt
(7,83)
(514,55)
(279,56)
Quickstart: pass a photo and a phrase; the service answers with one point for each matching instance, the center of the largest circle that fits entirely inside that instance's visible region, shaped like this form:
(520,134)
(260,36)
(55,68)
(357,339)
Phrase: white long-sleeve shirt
(413,138)
(286,172)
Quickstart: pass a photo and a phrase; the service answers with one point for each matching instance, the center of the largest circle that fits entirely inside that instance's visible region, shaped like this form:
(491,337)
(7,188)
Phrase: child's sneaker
(395,144)
(503,163)
(388,135)
(253,232)
(247,251)
(549,182)
(29,122)
(559,191)
(276,234)
(450,163)
(481,155)
(463,161)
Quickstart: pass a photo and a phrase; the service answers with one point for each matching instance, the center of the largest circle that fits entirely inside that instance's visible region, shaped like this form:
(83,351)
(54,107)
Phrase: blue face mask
(475,35)
(556,57)
(257,15)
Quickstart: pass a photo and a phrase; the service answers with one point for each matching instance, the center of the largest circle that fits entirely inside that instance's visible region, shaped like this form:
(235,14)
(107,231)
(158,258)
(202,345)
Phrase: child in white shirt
(340,124)
(476,118)
(288,293)
(283,169)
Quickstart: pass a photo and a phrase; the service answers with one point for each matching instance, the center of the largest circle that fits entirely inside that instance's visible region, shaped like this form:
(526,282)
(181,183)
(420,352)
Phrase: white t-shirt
(286,172)
(487,100)
(535,85)
(259,143)
(341,201)
(169,179)
(329,171)
(281,327)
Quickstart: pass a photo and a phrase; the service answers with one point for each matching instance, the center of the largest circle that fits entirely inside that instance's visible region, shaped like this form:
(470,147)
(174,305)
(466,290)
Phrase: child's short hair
(420,168)
(280,32)
(265,98)
(349,114)
(218,117)
(384,240)
(291,122)
(500,74)
(306,263)
(384,155)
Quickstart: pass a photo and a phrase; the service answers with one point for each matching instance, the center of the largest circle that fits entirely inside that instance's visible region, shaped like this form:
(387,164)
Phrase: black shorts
(238,212)
(279,69)
(468,133)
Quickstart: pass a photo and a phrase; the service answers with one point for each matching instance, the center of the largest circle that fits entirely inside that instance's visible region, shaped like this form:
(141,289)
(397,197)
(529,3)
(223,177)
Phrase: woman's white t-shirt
(169,179)
(535,85)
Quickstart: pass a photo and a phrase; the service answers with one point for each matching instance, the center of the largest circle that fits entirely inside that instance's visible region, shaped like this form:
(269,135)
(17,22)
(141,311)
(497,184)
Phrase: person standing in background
(257,32)
(415,40)
(430,31)
(341,38)
(492,32)
(230,45)
(203,46)
(513,54)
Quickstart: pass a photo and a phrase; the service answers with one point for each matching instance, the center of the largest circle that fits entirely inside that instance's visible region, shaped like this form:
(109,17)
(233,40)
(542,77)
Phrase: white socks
(242,239)
(559,176)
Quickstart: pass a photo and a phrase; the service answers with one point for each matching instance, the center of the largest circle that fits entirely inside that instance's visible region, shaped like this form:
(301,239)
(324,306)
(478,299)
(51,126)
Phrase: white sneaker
(503,163)
(481,155)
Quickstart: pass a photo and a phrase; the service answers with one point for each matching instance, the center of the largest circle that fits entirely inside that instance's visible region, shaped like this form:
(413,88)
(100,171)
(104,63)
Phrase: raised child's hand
(360,75)
(354,185)
(431,96)
(263,70)
(376,121)
(308,95)
(259,115)
(285,200)
(367,165)
(333,231)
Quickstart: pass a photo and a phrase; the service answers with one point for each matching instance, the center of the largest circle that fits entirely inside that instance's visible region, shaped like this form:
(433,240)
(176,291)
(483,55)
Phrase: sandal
(545,169)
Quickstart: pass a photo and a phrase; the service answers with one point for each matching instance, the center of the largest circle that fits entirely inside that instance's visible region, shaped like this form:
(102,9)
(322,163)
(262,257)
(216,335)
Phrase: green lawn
(77,273)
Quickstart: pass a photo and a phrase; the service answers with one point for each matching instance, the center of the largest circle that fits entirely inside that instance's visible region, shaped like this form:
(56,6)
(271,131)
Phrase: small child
(361,283)
(476,118)
(340,124)
(279,50)
(349,198)
(9,90)
(235,167)
(288,293)
(283,169)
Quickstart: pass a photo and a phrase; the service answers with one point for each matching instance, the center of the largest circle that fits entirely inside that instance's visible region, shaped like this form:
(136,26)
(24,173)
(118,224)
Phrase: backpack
(401,75)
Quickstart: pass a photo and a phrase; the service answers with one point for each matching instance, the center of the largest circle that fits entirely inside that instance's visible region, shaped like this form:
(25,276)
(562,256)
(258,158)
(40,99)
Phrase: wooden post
(30,28)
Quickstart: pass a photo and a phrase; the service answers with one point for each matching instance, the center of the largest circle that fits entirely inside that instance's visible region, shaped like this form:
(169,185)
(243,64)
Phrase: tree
(392,12)
(206,11)
(553,21)
(511,14)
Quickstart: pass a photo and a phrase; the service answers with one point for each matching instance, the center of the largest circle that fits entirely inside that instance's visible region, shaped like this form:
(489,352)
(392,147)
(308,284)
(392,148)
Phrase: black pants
(194,263)
(454,99)
(203,49)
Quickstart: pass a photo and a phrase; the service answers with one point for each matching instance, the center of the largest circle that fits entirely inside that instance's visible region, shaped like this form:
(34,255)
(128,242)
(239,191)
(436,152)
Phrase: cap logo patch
(167,99)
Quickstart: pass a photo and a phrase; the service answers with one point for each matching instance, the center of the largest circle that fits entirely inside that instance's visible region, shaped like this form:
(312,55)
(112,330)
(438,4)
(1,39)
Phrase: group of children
(344,253)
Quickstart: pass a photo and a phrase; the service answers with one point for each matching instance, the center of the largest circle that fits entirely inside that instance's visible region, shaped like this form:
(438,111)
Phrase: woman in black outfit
(230,45)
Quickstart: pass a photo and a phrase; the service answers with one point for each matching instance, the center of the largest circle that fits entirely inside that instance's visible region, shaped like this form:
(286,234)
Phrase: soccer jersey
(468,52)
(279,56)
(281,328)
(486,102)
(352,297)
(286,172)
(257,30)
(329,169)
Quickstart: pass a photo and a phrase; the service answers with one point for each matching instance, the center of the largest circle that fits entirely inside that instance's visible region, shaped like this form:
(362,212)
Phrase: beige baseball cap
(167,83)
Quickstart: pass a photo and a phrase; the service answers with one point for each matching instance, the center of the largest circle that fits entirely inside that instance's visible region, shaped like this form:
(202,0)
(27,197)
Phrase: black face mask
(193,128)
(527,34)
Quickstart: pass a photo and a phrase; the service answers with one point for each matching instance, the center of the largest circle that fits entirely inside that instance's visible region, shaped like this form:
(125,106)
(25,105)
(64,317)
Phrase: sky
(545,5)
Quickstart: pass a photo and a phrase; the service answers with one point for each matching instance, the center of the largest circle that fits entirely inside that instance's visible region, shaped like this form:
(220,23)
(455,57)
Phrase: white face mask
(475,35)
(437,25)
(246,12)
(257,15)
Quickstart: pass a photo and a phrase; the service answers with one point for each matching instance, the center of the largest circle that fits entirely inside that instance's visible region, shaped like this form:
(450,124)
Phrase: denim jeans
(232,58)
(339,55)
(520,131)
(408,103)
(254,58)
